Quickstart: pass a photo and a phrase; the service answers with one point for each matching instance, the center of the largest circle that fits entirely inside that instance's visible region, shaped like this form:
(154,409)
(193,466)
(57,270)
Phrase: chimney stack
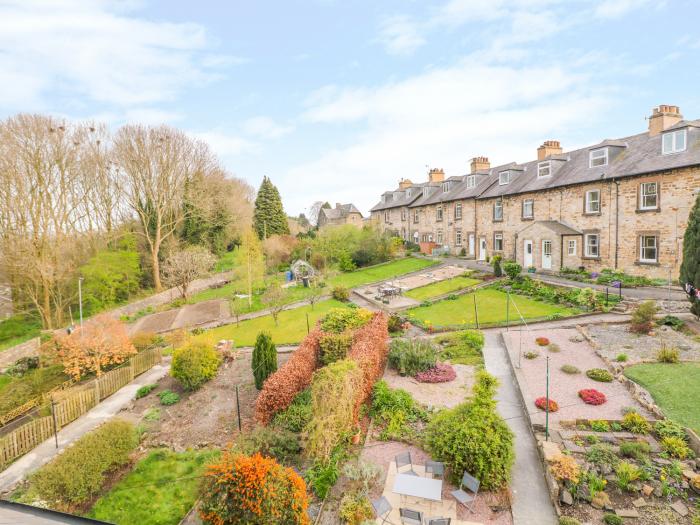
(548,147)
(405,183)
(480,164)
(663,118)
(436,175)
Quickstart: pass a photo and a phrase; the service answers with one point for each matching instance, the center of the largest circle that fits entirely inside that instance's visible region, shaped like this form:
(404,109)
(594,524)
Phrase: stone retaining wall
(27,349)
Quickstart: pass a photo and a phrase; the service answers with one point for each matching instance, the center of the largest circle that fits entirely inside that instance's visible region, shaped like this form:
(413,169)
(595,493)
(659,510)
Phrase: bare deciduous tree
(275,299)
(183,267)
(252,266)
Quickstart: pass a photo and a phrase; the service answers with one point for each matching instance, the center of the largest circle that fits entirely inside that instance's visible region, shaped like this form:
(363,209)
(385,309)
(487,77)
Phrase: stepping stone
(647,490)
(567,434)
(566,498)
(573,447)
(627,513)
(550,450)
(680,508)
(639,503)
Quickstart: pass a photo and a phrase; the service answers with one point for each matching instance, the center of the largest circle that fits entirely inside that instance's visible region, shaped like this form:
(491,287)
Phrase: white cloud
(400,35)
(618,8)
(265,128)
(85,51)
(226,145)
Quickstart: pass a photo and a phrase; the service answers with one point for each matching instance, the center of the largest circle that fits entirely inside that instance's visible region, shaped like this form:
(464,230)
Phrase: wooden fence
(69,405)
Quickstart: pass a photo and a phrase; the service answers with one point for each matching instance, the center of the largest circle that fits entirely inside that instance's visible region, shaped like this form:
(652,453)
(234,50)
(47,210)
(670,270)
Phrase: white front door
(546,255)
(527,251)
(482,249)
(471,245)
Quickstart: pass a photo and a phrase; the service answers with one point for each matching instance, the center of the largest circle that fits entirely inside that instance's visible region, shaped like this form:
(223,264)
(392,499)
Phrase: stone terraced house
(341,214)
(622,203)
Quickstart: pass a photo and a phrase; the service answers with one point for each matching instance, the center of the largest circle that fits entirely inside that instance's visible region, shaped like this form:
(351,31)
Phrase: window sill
(527,218)
(498,220)
(591,213)
(591,257)
(647,263)
(647,210)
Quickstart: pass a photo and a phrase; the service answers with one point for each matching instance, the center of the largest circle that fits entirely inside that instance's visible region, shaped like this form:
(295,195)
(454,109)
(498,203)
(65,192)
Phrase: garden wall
(27,349)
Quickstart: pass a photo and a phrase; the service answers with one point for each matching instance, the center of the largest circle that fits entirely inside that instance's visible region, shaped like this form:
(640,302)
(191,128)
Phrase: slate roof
(403,200)
(340,211)
(628,156)
(555,226)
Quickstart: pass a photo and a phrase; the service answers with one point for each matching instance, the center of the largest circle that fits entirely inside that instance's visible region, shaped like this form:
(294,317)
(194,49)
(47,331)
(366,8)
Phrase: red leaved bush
(541,403)
(591,396)
(440,373)
(295,375)
(542,341)
(369,349)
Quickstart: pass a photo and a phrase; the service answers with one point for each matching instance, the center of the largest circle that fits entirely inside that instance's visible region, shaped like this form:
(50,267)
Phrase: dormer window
(445,187)
(471,181)
(408,193)
(598,157)
(426,191)
(674,141)
(396,196)
(544,169)
(503,178)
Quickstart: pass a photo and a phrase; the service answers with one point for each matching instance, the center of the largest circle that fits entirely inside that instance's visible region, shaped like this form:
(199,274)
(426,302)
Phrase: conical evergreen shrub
(269,217)
(690,267)
(264,359)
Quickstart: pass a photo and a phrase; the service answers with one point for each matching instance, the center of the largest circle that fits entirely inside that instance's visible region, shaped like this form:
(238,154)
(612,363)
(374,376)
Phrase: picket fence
(68,405)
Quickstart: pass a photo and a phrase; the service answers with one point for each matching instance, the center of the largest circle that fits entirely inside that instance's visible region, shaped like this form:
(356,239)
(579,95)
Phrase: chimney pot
(480,164)
(548,147)
(663,117)
(405,183)
(436,175)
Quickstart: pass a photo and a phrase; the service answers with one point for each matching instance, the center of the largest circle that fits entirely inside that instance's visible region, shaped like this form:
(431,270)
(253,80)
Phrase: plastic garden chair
(467,497)
(439,521)
(435,468)
(382,509)
(401,461)
(410,517)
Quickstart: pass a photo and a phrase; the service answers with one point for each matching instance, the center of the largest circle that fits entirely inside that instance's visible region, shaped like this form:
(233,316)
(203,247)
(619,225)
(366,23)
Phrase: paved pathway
(531,502)
(78,428)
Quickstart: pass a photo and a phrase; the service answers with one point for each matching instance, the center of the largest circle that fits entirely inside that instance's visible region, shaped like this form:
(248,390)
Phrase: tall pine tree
(269,218)
(264,359)
(690,267)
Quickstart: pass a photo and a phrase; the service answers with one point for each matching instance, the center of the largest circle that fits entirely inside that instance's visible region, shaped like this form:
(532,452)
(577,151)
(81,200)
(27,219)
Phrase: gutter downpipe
(617,219)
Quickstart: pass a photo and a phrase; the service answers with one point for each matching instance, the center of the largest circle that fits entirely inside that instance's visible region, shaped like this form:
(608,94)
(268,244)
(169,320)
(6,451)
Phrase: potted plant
(530,269)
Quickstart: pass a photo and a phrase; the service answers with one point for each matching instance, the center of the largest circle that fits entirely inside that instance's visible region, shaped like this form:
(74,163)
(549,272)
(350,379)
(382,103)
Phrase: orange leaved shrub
(295,375)
(253,490)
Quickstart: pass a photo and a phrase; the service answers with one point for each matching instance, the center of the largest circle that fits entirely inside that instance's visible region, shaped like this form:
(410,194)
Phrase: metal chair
(402,460)
(410,517)
(435,468)
(439,521)
(382,509)
(462,496)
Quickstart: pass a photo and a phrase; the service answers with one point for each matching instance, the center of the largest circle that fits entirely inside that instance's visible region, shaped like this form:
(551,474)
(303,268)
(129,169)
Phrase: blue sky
(339,100)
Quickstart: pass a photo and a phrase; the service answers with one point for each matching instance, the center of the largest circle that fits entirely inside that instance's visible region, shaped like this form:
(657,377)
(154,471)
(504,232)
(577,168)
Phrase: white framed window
(498,209)
(528,209)
(503,178)
(648,196)
(403,214)
(445,187)
(408,193)
(592,245)
(458,238)
(387,215)
(598,157)
(438,213)
(396,196)
(458,211)
(648,249)
(592,201)
(571,247)
(674,141)
(471,181)
(439,236)
(415,216)
(544,169)
(426,191)
(498,242)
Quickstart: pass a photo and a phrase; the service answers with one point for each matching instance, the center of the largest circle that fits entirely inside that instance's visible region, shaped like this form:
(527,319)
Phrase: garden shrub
(271,442)
(145,390)
(395,324)
(440,373)
(168,397)
(602,454)
(570,369)
(638,450)
(636,423)
(627,473)
(355,508)
(334,347)
(600,374)
(512,270)
(264,362)
(323,475)
(675,447)
(591,396)
(337,320)
(145,340)
(297,415)
(672,321)
(542,341)
(599,425)
(456,437)
(643,317)
(252,490)
(565,468)
(621,358)
(531,355)
(612,519)
(194,364)
(394,408)
(553,347)
(333,393)
(541,403)
(566,520)
(340,293)
(362,474)
(23,365)
(79,472)
(462,347)
(496,262)
(295,375)
(668,355)
(668,428)
(410,356)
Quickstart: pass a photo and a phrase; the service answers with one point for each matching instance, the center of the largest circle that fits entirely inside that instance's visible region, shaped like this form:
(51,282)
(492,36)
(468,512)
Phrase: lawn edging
(469,289)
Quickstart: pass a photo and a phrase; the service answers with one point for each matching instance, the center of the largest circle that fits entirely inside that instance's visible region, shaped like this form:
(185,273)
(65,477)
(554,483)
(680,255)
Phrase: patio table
(418,487)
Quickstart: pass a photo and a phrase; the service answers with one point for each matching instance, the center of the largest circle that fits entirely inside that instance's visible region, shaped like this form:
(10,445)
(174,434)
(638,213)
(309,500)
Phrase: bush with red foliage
(440,373)
(370,349)
(591,396)
(542,341)
(541,403)
(295,375)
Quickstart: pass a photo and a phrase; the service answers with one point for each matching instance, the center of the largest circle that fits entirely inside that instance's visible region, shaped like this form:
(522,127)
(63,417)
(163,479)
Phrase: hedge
(295,375)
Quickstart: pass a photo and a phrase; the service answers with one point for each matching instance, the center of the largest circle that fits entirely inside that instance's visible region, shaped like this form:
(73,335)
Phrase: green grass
(18,329)
(459,349)
(441,288)
(4,381)
(290,330)
(159,491)
(674,387)
(491,305)
(227,261)
(380,272)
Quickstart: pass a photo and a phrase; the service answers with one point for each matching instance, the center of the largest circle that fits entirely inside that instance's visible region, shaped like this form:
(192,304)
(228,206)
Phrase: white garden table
(418,487)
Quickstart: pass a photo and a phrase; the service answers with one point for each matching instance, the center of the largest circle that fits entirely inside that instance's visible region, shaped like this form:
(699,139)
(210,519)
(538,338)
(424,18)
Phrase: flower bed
(541,403)
(440,373)
(591,396)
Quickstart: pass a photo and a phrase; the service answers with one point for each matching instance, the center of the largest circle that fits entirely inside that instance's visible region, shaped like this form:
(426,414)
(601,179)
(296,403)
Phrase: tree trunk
(48,321)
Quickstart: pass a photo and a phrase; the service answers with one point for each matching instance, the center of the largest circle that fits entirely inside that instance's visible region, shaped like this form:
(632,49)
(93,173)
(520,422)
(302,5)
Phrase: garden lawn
(441,288)
(674,387)
(160,490)
(380,272)
(290,330)
(18,329)
(491,305)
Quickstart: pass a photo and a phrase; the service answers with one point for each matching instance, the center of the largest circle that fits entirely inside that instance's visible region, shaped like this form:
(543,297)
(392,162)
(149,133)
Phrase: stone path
(78,428)
(531,502)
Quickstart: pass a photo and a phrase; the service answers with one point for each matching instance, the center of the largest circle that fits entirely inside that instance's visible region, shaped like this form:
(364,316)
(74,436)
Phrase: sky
(338,100)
